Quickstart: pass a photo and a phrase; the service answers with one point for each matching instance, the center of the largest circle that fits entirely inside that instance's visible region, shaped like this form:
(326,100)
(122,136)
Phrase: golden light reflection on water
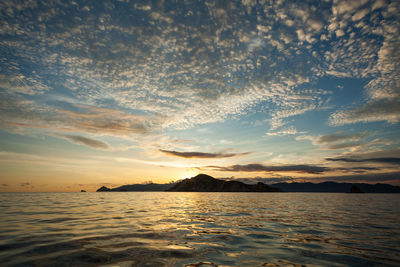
(178,229)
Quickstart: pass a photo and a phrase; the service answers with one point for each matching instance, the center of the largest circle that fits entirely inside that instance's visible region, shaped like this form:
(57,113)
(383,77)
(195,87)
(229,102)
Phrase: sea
(199,229)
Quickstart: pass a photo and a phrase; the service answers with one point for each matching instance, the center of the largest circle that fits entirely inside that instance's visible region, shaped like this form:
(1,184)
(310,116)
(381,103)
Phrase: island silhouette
(355,190)
(206,183)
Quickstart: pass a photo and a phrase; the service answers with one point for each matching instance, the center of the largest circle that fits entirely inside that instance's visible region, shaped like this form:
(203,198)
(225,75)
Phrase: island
(206,183)
(137,187)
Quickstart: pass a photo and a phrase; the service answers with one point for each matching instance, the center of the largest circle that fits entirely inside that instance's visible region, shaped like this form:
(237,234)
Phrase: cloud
(344,145)
(44,162)
(178,68)
(360,14)
(358,169)
(19,83)
(311,169)
(386,160)
(4,185)
(142,6)
(81,140)
(254,180)
(286,131)
(370,178)
(18,113)
(328,138)
(255,167)
(383,90)
(336,140)
(339,33)
(385,110)
(202,154)
(107,121)
(378,4)
(184,68)
(344,6)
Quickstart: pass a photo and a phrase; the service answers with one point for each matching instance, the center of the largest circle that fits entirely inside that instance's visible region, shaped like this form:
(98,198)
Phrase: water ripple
(199,229)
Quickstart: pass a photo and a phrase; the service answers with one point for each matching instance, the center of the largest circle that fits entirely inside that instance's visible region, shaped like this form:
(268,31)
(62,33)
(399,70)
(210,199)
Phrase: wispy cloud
(337,141)
(344,145)
(254,180)
(202,155)
(329,138)
(387,160)
(357,169)
(349,178)
(310,169)
(19,113)
(382,110)
(256,167)
(81,140)
(285,131)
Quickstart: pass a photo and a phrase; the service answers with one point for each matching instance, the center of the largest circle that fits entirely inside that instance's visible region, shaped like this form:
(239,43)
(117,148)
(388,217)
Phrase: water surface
(199,229)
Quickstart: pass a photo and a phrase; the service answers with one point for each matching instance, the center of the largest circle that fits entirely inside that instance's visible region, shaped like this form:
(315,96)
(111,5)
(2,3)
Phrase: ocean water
(199,229)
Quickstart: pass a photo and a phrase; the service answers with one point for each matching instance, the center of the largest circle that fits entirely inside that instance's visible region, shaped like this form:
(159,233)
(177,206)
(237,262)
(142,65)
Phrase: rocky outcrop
(103,189)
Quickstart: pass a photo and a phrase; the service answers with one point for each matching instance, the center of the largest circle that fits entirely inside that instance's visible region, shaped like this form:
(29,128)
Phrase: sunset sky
(109,93)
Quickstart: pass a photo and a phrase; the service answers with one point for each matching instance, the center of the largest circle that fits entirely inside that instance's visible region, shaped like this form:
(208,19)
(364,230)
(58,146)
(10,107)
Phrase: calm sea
(199,229)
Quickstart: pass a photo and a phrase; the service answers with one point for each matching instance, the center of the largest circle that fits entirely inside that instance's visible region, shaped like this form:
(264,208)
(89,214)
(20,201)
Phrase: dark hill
(103,189)
(206,183)
(355,190)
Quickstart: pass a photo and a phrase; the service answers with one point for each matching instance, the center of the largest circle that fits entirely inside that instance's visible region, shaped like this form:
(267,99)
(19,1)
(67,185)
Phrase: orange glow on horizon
(190,172)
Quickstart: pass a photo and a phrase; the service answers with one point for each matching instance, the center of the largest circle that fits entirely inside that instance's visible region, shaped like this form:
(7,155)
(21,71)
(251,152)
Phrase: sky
(109,93)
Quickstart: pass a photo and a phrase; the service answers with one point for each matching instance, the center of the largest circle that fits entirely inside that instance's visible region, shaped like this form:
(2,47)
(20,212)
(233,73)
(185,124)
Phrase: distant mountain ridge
(206,183)
(334,187)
